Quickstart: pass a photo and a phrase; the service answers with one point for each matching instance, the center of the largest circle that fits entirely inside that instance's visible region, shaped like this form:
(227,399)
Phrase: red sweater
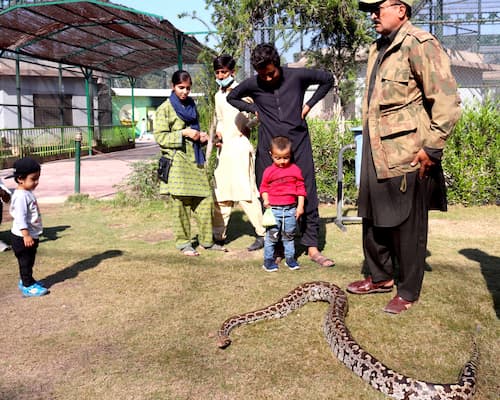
(283,185)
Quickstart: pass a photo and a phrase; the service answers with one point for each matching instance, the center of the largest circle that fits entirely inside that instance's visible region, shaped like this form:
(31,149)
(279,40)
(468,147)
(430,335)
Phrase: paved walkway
(98,174)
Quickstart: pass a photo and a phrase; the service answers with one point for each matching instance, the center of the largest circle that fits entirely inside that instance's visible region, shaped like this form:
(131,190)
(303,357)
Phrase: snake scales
(350,352)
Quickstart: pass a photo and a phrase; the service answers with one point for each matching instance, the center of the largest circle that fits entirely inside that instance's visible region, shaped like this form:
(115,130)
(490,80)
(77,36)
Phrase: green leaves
(336,27)
(471,158)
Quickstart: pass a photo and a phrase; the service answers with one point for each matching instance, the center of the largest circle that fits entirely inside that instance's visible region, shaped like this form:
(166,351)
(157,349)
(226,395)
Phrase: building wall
(146,101)
(141,105)
(39,85)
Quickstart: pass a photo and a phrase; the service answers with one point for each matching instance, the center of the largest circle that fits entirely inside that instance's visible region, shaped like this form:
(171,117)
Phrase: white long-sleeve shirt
(26,214)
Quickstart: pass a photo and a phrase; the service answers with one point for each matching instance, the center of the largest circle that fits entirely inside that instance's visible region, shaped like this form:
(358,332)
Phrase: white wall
(39,85)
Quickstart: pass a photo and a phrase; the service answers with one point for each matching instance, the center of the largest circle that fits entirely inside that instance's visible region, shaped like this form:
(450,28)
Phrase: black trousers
(25,257)
(406,243)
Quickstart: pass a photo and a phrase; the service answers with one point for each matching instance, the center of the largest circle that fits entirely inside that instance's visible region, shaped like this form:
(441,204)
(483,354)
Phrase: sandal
(216,247)
(323,261)
(189,251)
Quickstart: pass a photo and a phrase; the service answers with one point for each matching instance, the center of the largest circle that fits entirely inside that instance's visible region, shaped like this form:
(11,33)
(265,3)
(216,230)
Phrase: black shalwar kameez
(279,109)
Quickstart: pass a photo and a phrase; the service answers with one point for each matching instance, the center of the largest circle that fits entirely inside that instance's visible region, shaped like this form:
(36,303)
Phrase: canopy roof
(100,36)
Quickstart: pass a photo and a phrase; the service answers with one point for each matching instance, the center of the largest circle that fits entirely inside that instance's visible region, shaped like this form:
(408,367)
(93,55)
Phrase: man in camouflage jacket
(410,107)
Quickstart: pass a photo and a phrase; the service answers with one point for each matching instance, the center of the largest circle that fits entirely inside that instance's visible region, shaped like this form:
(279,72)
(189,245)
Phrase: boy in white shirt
(27,224)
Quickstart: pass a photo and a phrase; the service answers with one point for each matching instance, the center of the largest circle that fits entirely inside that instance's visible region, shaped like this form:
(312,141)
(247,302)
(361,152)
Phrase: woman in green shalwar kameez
(177,131)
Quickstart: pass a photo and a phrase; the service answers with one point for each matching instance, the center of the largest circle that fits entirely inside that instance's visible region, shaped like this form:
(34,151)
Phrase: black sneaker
(257,245)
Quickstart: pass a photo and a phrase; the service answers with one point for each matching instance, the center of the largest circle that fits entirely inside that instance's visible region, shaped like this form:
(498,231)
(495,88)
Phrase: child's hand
(265,199)
(298,212)
(28,241)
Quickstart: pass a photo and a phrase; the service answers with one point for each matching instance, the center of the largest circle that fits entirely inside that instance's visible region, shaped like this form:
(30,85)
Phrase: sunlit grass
(129,317)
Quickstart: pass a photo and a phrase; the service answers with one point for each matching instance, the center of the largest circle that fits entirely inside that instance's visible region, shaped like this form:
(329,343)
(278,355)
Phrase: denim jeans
(284,231)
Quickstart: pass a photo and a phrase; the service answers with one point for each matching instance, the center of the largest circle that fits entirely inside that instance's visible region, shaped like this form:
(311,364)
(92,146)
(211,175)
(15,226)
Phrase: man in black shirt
(278,102)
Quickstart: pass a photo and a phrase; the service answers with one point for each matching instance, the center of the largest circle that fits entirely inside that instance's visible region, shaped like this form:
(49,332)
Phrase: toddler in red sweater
(283,190)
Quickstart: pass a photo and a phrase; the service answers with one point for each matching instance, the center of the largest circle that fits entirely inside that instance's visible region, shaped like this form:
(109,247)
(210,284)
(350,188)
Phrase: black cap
(24,166)
(372,5)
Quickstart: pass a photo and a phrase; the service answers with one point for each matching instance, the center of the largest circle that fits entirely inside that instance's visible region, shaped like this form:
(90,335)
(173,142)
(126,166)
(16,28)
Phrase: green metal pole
(78,146)
(61,103)
(132,82)
(179,39)
(19,109)
(87,73)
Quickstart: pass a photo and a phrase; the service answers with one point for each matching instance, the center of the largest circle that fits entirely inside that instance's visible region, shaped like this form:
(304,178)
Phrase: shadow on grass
(238,227)
(73,270)
(51,233)
(300,249)
(490,269)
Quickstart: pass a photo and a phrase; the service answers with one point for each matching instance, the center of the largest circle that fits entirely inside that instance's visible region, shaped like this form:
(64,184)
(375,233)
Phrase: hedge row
(471,160)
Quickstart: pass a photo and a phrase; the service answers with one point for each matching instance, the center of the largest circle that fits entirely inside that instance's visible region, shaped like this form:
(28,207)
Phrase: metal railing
(59,141)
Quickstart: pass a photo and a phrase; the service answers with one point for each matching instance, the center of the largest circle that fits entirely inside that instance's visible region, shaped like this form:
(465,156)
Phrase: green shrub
(116,136)
(471,157)
(471,161)
(141,184)
(327,140)
(79,198)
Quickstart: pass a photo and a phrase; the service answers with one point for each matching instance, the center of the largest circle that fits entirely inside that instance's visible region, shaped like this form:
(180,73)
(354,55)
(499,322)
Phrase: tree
(338,30)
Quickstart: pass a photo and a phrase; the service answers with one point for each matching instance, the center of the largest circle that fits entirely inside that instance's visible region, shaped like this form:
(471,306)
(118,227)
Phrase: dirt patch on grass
(156,237)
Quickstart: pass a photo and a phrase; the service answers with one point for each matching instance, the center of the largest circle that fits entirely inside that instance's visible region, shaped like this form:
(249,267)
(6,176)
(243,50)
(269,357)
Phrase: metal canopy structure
(95,35)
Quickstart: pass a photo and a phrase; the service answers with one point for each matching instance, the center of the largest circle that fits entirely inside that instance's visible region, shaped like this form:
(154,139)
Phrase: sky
(170,9)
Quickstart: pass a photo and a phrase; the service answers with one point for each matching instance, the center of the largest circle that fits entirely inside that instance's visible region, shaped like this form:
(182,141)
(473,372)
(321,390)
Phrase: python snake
(350,352)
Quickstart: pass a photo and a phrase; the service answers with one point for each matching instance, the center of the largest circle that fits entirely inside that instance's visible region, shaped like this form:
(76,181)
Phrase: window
(52,110)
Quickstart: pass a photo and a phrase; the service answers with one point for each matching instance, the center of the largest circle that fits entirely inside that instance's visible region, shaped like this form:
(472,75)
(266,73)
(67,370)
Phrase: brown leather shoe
(367,286)
(397,305)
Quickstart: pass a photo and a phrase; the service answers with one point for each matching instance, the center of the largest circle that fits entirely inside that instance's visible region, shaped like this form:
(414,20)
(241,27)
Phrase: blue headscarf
(186,110)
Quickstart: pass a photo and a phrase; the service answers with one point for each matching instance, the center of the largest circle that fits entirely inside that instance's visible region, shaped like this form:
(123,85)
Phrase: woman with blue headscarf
(177,131)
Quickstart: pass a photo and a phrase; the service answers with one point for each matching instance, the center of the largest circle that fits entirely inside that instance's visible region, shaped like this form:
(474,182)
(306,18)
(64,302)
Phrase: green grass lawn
(129,317)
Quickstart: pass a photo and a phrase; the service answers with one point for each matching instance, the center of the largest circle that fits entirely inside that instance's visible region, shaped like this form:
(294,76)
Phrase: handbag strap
(173,155)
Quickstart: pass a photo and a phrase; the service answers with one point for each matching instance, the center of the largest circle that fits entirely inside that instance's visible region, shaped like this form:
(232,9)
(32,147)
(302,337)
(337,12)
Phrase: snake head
(223,342)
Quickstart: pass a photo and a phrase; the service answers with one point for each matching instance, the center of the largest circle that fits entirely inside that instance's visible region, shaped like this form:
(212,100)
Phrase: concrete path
(98,174)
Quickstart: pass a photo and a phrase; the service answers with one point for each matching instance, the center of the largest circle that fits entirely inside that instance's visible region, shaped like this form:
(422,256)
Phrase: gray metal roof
(101,36)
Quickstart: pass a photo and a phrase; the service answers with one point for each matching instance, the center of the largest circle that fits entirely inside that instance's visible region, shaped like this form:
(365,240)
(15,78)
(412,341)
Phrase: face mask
(225,82)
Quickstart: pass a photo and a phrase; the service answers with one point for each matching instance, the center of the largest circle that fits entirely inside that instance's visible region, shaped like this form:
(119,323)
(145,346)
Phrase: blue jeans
(284,229)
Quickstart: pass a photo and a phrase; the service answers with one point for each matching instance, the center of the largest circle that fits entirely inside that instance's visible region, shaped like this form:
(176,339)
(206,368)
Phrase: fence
(59,141)
(470,30)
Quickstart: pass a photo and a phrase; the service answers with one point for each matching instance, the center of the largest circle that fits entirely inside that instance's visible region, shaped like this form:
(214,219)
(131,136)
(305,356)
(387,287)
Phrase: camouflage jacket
(414,103)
